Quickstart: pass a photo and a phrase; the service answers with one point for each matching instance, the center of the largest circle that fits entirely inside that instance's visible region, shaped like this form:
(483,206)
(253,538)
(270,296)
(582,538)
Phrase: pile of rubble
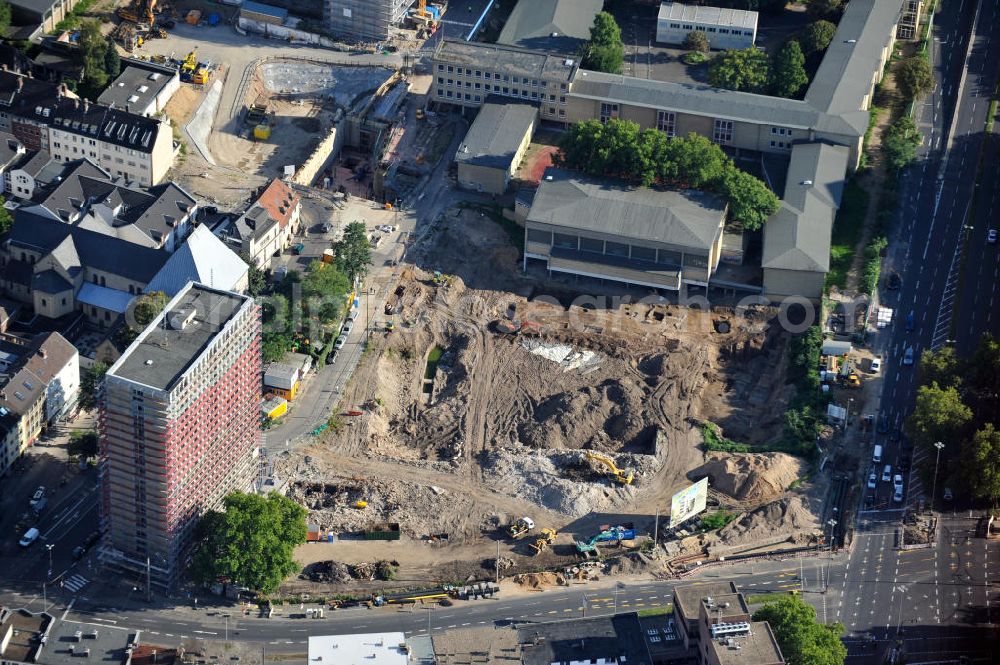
(336,572)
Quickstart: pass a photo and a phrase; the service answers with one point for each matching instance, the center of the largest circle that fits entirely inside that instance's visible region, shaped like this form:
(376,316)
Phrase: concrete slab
(200,126)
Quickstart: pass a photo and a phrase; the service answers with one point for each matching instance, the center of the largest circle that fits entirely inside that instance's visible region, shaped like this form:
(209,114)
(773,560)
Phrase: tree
(940,367)
(816,36)
(696,40)
(938,414)
(112,62)
(578,145)
(983,467)
(801,639)
(4,17)
(750,201)
(6,220)
(746,70)
(694,160)
(823,9)
(251,543)
(93,48)
(617,150)
(605,51)
(256,279)
(900,141)
(90,385)
(148,306)
(83,444)
(788,72)
(275,345)
(352,254)
(914,77)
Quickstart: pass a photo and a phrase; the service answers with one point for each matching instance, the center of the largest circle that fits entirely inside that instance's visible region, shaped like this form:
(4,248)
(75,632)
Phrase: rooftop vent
(806,183)
(149,362)
(851,41)
(554,34)
(182,317)
(723,629)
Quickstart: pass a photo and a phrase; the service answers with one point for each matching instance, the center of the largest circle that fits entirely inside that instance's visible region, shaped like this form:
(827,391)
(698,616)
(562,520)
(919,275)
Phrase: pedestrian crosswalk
(75,583)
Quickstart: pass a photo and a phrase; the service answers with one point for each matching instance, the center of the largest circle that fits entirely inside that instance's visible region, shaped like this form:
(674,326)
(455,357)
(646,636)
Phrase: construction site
(505,415)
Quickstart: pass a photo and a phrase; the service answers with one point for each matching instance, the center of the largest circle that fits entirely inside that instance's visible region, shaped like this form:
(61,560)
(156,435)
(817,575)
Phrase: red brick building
(180,428)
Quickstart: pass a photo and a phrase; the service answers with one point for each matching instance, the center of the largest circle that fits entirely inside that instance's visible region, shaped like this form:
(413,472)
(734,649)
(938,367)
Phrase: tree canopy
(696,40)
(605,51)
(745,70)
(940,367)
(251,543)
(256,279)
(4,17)
(619,148)
(6,220)
(352,254)
(90,384)
(822,9)
(983,469)
(801,639)
(938,414)
(914,77)
(900,141)
(83,444)
(817,36)
(788,72)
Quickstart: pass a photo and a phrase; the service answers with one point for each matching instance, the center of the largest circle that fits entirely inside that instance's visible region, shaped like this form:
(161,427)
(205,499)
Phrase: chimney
(20,83)
(76,103)
(42,353)
(86,105)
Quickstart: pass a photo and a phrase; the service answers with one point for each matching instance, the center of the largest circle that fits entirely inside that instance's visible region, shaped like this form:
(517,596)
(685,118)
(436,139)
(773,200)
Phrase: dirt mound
(540,580)
(784,519)
(756,477)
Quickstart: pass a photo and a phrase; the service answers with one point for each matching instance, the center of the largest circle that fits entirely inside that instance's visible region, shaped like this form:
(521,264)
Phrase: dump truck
(520,527)
(548,536)
(620,475)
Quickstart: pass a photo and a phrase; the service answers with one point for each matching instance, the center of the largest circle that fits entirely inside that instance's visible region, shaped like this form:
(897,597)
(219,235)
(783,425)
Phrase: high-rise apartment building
(364,19)
(180,428)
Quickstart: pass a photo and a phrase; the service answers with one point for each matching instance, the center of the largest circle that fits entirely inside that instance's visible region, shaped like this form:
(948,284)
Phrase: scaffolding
(364,19)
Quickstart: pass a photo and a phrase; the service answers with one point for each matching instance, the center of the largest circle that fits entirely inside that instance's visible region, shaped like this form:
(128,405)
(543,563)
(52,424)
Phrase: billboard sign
(688,502)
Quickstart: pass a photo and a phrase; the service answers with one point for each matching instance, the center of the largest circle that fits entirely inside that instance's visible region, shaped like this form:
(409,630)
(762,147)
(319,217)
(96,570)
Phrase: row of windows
(496,76)
(721,31)
(620,249)
(781,145)
(500,90)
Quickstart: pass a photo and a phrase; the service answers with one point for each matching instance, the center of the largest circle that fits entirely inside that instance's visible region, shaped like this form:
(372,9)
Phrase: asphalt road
(936,197)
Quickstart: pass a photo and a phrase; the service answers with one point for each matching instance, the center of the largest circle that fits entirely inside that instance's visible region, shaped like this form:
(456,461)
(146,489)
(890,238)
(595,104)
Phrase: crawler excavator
(621,475)
(138,11)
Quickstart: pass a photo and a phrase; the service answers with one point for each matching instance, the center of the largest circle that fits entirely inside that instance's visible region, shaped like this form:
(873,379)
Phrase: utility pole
(149,582)
(937,459)
(49,547)
(656,529)
(829,567)
(498,564)
(45,598)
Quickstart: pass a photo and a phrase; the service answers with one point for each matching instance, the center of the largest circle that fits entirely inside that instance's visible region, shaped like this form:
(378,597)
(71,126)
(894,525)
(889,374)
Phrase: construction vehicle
(138,11)
(620,475)
(608,534)
(256,114)
(421,114)
(548,536)
(520,527)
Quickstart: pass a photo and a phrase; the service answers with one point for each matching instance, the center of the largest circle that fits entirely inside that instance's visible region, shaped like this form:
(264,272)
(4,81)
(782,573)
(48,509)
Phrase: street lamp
(937,459)
(49,547)
(829,566)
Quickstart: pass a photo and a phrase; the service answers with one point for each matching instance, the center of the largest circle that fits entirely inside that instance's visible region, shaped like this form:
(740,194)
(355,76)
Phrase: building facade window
(666,122)
(722,133)
(608,111)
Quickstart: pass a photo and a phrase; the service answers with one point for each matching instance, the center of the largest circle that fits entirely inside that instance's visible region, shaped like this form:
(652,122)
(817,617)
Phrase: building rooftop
(279,200)
(48,354)
(474,646)
(35,162)
(496,134)
(266,10)
(36,228)
(756,647)
(20,393)
(556,26)
(106,644)
(688,597)
(281,371)
(178,337)
(37,6)
(203,258)
(515,61)
(852,60)
(687,218)
(797,237)
(138,85)
(11,149)
(736,18)
(616,638)
(359,649)
(26,632)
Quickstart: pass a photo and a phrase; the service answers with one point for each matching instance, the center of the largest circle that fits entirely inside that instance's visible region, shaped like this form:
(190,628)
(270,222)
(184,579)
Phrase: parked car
(948,496)
(30,536)
(872,479)
(894,282)
(345,330)
(339,344)
(39,493)
(908,356)
(991,236)
(331,357)
(897,482)
(887,473)
(897,495)
(876,365)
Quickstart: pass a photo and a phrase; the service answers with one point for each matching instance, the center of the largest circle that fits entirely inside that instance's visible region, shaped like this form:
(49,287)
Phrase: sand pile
(776,521)
(755,477)
(540,580)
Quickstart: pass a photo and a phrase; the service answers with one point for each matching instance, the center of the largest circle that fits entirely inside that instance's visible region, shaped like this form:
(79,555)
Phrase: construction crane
(621,475)
(548,536)
(520,527)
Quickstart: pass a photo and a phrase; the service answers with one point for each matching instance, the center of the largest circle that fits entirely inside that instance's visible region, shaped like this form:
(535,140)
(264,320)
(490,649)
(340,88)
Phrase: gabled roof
(255,223)
(279,200)
(797,237)
(21,392)
(203,258)
(496,134)
(35,228)
(558,26)
(48,355)
(580,203)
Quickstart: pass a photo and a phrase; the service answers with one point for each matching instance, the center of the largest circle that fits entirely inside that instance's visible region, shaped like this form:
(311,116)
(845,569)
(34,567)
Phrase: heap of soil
(755,477)
(788,517)
(540,580)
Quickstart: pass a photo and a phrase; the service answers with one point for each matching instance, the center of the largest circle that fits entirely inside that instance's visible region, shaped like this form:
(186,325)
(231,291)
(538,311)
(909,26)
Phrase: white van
(877,455)
(30,536)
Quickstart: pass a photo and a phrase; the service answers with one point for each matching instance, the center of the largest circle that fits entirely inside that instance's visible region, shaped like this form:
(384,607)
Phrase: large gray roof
(137,85)
(846,74)
(510,59)
(580,203)
(496,134)
(559,26)
(797,237)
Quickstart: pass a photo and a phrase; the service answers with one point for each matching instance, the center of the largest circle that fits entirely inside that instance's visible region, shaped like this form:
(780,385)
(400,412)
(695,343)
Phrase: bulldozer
(548,536)
(620,475)
(521,527)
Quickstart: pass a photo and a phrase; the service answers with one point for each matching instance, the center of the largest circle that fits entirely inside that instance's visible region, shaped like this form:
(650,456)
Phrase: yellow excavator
(621,475)
(138,11)
(548,536)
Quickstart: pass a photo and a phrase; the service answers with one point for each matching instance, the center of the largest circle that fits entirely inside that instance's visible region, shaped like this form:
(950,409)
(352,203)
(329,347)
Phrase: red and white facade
(173,449)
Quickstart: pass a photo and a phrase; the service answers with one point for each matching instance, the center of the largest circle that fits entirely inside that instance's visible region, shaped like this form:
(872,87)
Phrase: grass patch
(72,20)
(713,440)
(846,232)
(760,598)
(717,520)
(694,58)
(798,482)
(991,116)
(657,611)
